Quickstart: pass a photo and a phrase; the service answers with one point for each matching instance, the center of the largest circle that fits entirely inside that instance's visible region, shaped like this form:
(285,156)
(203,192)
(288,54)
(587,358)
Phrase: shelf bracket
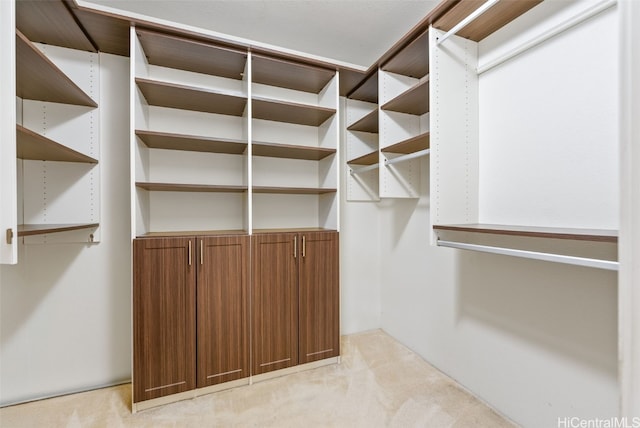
(9,236)
(535,255)
(353,171)
(469,19)
(407,157)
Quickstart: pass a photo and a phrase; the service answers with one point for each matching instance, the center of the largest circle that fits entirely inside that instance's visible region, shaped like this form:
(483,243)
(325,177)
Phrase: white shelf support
(353,171)
(469,19)
(535,255)
(407,157)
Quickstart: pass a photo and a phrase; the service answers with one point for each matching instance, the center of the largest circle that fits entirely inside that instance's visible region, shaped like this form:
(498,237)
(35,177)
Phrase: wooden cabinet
(294,301)
(190,313)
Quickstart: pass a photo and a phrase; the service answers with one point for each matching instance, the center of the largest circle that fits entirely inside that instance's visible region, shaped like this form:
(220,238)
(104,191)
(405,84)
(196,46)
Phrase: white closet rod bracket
(549,257)
(552,32)
(470,18)
(407,157)
(353,171)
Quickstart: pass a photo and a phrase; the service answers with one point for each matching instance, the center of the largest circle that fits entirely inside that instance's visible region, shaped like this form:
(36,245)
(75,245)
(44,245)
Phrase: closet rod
(363,169)
(470,18)
(549,257)
(407,157)
(569,23)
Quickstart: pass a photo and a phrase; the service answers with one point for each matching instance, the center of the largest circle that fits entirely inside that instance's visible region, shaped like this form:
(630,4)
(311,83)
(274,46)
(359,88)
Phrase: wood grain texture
(43,229)
(319,297)
(291,75)
(597,235)
(38,78)
(288,112)
(191,55)
(366,90)
(410,145)
(179,187)
(492,20)
(222,305)
(412,60)
(165,94)
(110,34)
(289,151)
(193,143)
(293,190)
(414,100)
(368,159)
(274,302)
(33,146)
(164,317)
(368,123)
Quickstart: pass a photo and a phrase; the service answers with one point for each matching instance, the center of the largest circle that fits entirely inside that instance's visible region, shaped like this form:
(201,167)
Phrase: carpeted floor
(379,383)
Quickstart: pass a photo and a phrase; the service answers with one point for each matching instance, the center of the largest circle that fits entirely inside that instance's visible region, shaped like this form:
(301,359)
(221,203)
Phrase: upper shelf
(415,100)
(368,159)
(596,235)
(37,78)
(368,123)
(413,60)
(190,55)
(33,146)
(290,75)
(367,90)
(288,112)
(288,151)
(165,94)
(410,145)
(193,143)
(493,19)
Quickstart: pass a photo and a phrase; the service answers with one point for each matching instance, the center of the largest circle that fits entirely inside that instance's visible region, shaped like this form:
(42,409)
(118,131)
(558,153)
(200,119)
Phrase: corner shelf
(177,187)
(38,78)
(165,94)
(413,60)
(193,143)
(293,190)
(289,151)
(33,146)
(367,90)
(594,235)
(368,159)
(191,55)
(414,100)
(285,74)
(368,123)
(410,145)
(288,112)
(43,229)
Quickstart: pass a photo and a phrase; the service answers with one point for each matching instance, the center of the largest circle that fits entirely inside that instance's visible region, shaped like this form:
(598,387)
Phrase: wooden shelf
(415,100)
(193,233)
(292,190)
(367,90)
(193,143)
(185,97)
(42,229)
(190,55)
(33,146)
(410,145)
(597,235)
(289,151)
(493,19)
(288,112)
(37,78)
(368,159)
(369,123)
(293,229)
(413,60)
(176,187)
(290,75)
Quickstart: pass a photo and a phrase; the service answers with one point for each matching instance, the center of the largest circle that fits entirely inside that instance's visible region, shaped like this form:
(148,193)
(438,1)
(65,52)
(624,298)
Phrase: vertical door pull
(189,252)
(201,252)
(304,246)
(295,247)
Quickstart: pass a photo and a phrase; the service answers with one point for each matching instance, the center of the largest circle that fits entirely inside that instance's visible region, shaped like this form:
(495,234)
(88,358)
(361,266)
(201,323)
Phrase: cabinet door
(164,319)
(319,297)
(223,347)
(274,302)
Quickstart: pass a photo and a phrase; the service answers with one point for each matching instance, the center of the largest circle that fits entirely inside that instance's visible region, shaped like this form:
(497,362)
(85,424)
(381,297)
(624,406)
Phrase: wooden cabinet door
(223,347)
(274,302)
(319,309)
(164,328)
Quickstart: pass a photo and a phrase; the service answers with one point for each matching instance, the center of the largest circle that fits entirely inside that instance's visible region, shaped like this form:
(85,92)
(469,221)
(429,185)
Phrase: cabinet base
(155,402)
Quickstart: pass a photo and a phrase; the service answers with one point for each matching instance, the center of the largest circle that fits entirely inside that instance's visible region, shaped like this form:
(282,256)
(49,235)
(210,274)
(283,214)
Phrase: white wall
(65,308)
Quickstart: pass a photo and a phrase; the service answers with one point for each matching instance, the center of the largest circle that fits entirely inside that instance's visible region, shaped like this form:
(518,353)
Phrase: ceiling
(349,32)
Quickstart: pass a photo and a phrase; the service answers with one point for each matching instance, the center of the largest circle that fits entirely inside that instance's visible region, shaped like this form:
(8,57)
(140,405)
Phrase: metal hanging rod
(470,18)
(549,257)
(364,169)
(569,23)
(407,157)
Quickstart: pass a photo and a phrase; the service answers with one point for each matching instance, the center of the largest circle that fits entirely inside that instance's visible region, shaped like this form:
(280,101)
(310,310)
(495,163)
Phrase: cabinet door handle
(304,246)
(189,252)
(295,247)
(201,252)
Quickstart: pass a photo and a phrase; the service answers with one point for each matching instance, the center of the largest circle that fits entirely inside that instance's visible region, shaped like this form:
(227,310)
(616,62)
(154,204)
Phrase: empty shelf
(413,101)
(193,233)
(176,187)
(33,146)
(288,112)
(410,145)
(42,229)
(194,143)
(596,235)
(369,123)
(413,60)
(290,75)
(367,90)
(288,151)
(292,190)
(368,159)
